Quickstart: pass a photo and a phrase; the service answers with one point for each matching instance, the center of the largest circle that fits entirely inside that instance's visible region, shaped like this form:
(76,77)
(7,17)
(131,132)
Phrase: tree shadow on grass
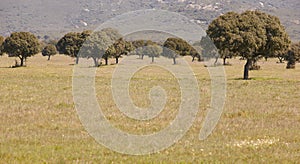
(9,67)
(256,79)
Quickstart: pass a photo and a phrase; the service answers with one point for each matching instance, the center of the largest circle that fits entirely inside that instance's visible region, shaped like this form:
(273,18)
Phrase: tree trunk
(216,61)
(193,59)
(224,61)
(199,59)
(142,57)
(174,61)
(22,61)
(246,69)
(117,60)
(49,57)
(106,61)
(152,59)
(280,59)
(95,62)
(77,59)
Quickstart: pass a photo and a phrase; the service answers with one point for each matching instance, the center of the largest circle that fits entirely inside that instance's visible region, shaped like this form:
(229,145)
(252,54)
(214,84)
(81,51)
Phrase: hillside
(56,17)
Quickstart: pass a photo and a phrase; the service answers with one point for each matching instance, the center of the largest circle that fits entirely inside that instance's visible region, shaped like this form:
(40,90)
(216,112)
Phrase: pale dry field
(39,123)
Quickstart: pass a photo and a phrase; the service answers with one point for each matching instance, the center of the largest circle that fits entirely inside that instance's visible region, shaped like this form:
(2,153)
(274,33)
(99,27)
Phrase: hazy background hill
(56,17)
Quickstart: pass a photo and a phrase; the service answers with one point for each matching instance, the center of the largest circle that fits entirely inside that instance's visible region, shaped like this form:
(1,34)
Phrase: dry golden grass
(260,123)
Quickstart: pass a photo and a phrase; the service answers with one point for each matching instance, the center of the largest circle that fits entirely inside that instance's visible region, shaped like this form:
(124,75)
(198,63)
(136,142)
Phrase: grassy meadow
(39,123)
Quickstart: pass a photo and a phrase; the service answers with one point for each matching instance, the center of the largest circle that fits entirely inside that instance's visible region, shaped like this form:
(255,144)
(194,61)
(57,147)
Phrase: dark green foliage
(295,47)
(224,33)
(109,53)
(98,43)
(290,57)
(139,44)
(49,51)
(293,55)
(169,49)
(148,48)
(45,43)
(122,47)
(152,51)
(180,47)
(119,48)
(21,45)
(71,43)
(252,35)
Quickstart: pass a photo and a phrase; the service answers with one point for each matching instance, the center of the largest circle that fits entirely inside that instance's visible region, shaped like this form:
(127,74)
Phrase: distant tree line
(250,35)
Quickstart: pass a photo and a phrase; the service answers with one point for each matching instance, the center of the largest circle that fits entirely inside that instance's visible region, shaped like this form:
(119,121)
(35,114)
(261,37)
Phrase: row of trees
(98,45)
(251,35)
(23,45)
(104,44)
(109,43)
